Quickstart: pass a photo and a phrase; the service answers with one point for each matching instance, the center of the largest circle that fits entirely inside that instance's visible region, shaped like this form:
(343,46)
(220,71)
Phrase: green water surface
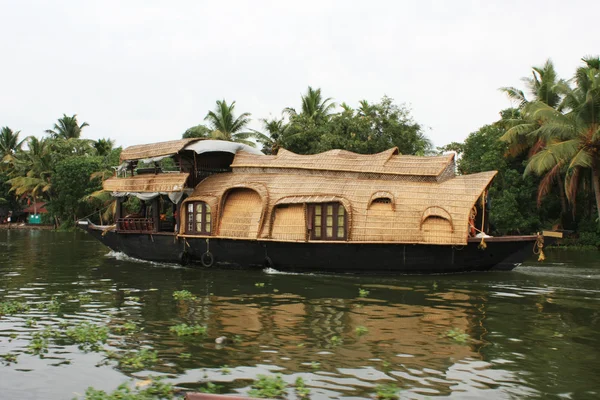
(530,333)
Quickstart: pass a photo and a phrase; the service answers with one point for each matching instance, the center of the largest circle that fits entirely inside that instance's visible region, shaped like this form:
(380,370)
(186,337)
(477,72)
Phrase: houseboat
(222,204)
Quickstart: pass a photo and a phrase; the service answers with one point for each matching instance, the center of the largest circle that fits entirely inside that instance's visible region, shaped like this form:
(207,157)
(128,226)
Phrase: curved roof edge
(171,147)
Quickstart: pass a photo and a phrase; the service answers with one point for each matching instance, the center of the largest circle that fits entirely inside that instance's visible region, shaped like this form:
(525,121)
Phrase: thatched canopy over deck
(143,151)
(147,183)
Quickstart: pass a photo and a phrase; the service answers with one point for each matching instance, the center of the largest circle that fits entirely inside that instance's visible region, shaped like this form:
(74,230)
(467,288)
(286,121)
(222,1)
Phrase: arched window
(199,219)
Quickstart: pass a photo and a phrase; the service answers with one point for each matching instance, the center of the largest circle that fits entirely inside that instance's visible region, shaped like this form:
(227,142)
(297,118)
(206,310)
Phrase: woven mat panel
(339,174)
(436,230)
(385,163)
(155,149)
(289,223)
(147,183)
(411,199)
(241,214)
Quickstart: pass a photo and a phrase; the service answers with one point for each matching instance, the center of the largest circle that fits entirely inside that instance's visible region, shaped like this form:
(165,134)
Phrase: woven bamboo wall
(406,223)
(242,213)
(289,223)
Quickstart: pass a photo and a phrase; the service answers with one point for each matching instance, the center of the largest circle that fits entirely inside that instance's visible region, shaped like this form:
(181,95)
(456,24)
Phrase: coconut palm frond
(515,94)
(547,182)
(582,159)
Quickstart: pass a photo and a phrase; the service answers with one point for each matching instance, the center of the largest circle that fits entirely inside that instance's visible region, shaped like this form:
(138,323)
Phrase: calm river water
(530,333)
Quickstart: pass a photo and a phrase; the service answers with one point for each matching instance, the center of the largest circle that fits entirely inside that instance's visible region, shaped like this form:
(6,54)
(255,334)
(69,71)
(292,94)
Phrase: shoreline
(24,226)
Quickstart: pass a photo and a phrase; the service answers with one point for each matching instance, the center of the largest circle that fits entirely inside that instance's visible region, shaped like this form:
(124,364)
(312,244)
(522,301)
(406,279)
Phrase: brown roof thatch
(141,151)
(340,161)
(147,183)
(410,211)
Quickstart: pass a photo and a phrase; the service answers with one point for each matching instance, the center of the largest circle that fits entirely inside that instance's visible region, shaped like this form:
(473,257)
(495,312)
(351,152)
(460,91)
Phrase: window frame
(318,229)
(206,210)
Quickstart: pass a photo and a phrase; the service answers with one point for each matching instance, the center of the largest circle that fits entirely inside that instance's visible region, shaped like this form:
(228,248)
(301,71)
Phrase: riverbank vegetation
(546,150)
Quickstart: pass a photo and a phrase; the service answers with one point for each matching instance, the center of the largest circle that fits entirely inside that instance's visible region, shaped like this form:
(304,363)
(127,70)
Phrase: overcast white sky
(140,71)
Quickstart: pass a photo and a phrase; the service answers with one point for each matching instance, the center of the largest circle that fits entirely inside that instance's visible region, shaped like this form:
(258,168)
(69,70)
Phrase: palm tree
(276,130)
(314,106)
(67,128)
(33,170)
(103,146)
(523,134)
(226,126)
(572,138)
(9,142)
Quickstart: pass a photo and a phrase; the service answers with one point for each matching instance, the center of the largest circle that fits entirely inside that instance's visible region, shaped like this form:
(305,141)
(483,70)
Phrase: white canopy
(205,146)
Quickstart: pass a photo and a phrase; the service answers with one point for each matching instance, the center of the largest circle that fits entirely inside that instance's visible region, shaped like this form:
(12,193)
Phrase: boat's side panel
(321,257)
(162,248)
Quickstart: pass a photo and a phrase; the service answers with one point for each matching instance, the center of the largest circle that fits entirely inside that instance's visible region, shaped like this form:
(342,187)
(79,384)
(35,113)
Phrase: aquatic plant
(183,295)
(9,358)
(268,387)
(225,370)
(363,292)
(137,360)
(387,392)
(259,284)
(237,339)
(155,390)
(188,330)
(435,285)
(30,322)
(13,307)
(125,329)
(81,298)
(87,335)
(302,392)
(210,388)
(458,335)
(315,365)
(49,332)
(53,305)
(38,344)
(361,330)
(185,356)
(335,341)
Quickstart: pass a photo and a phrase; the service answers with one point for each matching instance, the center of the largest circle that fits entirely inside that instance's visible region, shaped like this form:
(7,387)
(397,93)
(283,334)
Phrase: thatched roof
(417,211)
(340,161)
(141,151)
(147,183)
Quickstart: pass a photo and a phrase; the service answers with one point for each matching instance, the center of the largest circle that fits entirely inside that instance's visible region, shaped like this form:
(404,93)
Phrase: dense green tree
(71,184)
(370,129)
(226,126)
(198,131)
(512,196)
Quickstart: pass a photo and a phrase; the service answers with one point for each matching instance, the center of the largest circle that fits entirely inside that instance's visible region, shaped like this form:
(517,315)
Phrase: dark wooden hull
(503,253)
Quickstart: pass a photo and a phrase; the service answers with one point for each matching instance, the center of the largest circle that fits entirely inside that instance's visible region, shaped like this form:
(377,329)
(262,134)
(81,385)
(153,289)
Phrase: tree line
(546,149)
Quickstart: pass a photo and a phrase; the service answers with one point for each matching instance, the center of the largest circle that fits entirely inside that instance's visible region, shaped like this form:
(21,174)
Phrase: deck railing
(135,224)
